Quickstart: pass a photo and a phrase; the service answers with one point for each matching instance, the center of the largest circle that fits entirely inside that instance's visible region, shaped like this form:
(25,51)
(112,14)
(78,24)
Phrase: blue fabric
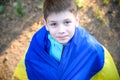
(55,48)
(81,59)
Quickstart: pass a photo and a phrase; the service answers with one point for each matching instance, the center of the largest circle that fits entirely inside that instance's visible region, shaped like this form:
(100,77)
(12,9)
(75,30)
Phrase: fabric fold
(82,58)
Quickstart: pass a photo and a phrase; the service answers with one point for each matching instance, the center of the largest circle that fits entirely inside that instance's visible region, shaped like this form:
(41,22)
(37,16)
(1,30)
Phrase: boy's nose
(61,29)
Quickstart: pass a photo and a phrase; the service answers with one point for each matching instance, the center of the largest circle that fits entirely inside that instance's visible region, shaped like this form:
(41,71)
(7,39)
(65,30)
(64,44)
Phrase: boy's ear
(42,21)
(45,23)
(77,19)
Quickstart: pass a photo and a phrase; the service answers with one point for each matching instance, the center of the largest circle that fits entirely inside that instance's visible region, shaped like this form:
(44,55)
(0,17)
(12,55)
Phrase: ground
(16,32)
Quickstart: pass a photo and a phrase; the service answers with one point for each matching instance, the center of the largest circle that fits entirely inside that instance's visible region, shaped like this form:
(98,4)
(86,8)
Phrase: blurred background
(20,19)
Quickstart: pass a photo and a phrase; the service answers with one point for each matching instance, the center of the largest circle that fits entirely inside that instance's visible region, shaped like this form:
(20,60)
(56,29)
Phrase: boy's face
(61,26)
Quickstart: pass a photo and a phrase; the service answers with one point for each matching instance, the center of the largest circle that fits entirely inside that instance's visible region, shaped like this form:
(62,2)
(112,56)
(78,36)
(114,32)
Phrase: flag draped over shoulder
(81,59)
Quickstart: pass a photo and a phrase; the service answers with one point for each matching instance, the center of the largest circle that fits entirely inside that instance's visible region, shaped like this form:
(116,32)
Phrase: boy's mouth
(62,37)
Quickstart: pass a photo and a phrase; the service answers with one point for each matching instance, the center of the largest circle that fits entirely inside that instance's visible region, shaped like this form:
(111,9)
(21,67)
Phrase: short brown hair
(55,6)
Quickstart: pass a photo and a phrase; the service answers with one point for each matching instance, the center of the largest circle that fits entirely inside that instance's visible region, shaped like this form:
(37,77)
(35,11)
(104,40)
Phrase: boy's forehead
(60,15)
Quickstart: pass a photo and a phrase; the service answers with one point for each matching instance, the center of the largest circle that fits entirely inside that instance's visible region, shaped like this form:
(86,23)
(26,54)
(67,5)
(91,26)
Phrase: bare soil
(16,32)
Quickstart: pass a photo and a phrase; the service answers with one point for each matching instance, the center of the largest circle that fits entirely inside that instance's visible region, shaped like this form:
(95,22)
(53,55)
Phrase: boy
(61,50)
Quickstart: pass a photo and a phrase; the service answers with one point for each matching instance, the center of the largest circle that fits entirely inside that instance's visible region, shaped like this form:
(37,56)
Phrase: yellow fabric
(20,72)
(109,71)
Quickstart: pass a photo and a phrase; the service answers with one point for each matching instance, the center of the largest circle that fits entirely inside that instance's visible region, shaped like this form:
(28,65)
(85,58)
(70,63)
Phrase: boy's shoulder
(40,37)
(40,33)
(41,30)
(87,38)
(91,42)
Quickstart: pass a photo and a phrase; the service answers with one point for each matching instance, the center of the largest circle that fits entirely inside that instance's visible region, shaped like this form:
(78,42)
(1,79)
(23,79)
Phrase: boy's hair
(55,6)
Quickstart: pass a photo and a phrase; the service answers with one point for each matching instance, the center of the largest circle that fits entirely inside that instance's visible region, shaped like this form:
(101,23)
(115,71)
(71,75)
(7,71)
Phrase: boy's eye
(67,22)
(53,24)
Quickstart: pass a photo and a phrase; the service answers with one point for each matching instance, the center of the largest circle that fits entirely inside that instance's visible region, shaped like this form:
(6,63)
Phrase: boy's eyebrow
(51,21)
(56,21)
(66,19)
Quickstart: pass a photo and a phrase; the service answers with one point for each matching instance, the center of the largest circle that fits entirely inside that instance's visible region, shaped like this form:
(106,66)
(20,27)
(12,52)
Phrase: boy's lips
(62,37)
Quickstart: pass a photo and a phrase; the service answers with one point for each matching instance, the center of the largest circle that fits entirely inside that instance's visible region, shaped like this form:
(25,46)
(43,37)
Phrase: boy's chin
(63,42)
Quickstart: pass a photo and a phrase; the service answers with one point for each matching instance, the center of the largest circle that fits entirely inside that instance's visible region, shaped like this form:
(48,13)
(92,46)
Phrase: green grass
(19,9)
(79,3)
(99,16)
(1,8)
(106,1)
(119,2)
